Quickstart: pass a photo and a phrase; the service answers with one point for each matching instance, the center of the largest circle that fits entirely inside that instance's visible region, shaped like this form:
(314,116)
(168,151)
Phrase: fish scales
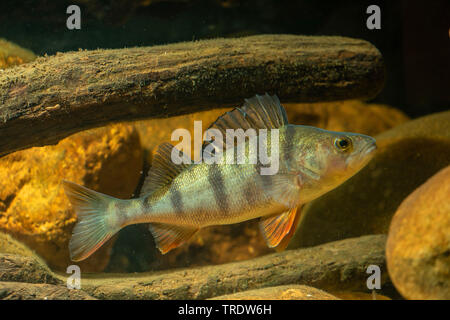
(211,194)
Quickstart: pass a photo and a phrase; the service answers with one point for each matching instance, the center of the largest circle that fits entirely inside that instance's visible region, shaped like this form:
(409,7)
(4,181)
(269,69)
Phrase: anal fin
(276,227)
(168,237)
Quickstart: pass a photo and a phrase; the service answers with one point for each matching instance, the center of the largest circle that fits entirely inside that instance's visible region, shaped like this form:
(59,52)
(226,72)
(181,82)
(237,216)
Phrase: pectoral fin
(275,228)
(168,237)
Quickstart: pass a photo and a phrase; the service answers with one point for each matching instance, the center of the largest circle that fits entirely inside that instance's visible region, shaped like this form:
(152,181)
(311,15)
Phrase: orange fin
(287,238)
(168,237)
(276,227)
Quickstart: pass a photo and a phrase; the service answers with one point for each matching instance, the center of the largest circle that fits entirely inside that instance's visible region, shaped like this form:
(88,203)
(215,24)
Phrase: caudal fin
(93,228)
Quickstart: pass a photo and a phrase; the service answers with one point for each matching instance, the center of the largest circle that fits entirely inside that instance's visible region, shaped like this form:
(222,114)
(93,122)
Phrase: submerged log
(39,291)
(336,266)
(53,97)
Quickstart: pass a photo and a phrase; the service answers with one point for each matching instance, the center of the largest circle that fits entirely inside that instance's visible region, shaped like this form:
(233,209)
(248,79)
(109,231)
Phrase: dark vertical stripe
(217,183)
(266,181)
(250,194)
(147,203)
(289,144)
(176,199)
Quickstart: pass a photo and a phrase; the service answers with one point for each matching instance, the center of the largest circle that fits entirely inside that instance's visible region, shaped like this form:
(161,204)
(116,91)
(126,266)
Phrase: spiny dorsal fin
(259,112)
(163,169)
(168,237)
(265,112)
(275,228)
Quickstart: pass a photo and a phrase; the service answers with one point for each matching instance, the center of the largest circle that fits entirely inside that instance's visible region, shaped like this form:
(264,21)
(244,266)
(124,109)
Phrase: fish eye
(343,143)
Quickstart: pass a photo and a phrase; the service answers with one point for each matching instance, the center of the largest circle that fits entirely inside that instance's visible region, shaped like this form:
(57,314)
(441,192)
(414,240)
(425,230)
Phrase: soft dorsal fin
(275,228)
(163,169)
(259,112)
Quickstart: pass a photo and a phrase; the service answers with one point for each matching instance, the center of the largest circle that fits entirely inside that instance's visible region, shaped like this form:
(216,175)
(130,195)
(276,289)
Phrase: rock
(349,295)
(33,206)
(28,291)
(348,115)
(335,266)
(12,54)
(217,245)
(418,246)
(290,292)
(408,155)
(25,269)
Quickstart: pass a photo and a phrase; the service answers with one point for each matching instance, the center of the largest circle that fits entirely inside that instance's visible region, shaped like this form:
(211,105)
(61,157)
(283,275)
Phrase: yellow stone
(33,206)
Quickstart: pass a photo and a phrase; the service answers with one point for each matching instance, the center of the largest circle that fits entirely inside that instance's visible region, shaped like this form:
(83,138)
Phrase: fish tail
(96,223)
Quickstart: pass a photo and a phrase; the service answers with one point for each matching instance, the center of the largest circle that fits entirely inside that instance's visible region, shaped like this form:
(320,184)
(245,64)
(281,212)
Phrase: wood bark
(335,266)
(39,291)
(53,97)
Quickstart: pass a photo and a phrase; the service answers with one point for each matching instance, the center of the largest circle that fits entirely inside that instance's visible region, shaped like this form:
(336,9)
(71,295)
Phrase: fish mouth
(369,149)
(363,157)
(367,153)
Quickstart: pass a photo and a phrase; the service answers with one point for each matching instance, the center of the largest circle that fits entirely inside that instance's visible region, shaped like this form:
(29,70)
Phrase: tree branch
(53,97)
